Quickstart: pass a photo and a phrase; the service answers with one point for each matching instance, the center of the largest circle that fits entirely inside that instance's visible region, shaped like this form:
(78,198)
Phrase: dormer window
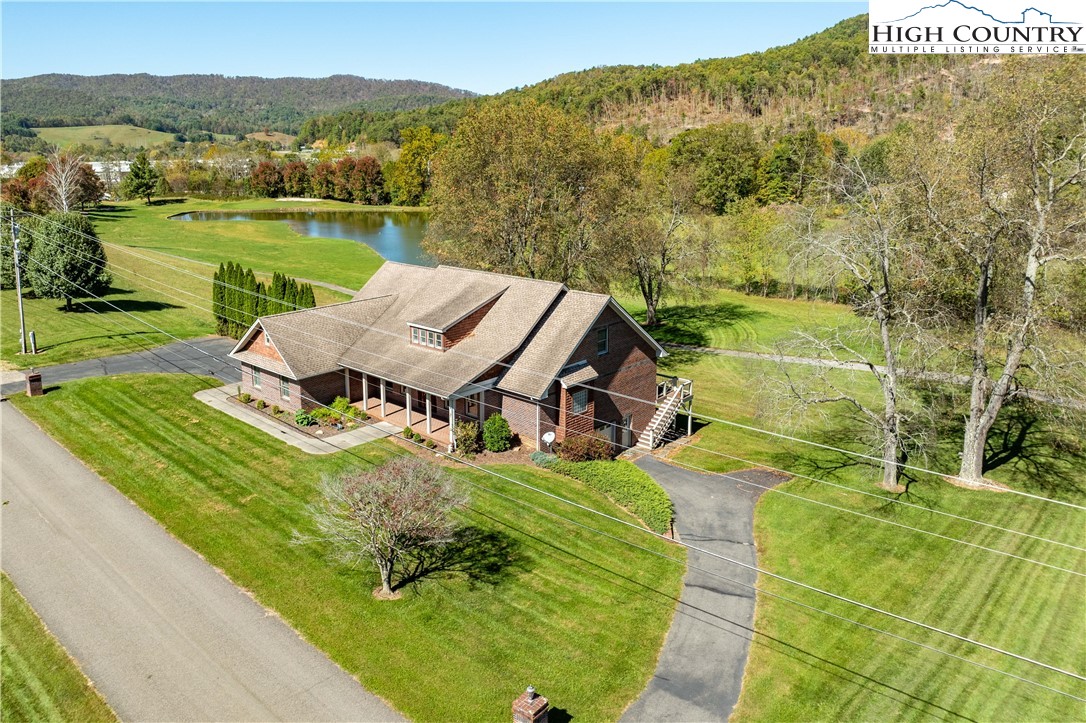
(427,337)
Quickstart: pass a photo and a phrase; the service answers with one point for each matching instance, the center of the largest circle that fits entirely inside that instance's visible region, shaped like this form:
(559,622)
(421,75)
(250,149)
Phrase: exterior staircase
(671,395)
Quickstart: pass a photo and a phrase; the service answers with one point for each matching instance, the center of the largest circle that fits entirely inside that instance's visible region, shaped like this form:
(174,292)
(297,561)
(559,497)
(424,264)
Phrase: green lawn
(265,247)
(162,275)
(728,319)
(40,681)
(806,666)
(116,135)
(580,616)
(98,135)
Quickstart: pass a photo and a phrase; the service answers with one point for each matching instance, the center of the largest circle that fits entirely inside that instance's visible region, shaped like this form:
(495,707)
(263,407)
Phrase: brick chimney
(530,707)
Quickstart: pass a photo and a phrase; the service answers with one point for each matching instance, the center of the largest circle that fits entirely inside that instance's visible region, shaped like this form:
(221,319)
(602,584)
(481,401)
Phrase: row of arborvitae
(237,298)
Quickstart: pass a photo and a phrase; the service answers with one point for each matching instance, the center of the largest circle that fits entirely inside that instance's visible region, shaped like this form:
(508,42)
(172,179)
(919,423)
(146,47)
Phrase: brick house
(424,347)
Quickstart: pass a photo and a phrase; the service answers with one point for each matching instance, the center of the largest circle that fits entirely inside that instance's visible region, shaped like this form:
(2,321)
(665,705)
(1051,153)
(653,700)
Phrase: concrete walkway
(206,356)
(163,635)
(700,672)
(219,398)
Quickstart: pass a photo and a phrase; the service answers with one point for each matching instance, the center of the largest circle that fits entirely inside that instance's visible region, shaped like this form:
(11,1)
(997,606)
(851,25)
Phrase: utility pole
(18,281)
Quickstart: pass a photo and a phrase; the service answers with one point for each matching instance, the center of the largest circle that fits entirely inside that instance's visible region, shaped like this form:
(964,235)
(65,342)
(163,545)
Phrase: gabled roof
(311,341)
(525,338)
(438,295)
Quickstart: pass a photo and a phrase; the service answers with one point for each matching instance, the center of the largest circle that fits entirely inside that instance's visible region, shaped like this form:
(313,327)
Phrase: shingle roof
(533,327)
(550,347)
(438,295)
(578,374)
(311,341)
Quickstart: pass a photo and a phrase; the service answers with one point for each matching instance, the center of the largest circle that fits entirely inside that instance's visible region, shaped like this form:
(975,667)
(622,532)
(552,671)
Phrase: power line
(483,404)
(688,546)
(495,362)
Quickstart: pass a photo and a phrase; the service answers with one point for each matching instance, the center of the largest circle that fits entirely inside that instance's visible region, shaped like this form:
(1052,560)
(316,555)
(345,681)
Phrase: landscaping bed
(595,610)
(326,422)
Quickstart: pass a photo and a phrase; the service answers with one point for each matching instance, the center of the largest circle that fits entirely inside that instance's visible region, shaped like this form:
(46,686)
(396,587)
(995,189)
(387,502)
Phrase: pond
(396,235)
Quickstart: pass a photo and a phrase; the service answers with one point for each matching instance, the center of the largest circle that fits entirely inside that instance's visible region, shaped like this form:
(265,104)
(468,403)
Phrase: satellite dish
(548,438)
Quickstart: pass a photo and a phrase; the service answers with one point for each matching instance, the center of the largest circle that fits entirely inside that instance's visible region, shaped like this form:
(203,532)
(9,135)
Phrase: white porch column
(429,422)
(407,396)
(365,392)
(383,398)
(482,412)
(452,423)
(347,384)
(537,413)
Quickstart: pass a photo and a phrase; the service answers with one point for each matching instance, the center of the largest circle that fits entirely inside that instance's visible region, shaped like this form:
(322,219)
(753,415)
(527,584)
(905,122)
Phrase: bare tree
(871,253)
(1002,200)
(63,176)
(385,514)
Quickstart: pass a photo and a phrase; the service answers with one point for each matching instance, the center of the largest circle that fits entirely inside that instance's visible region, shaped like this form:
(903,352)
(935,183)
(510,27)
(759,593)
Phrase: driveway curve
(700,672)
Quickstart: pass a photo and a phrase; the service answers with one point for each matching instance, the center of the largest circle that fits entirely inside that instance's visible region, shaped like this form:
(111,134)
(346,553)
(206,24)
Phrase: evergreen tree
(67,260)
(142,179)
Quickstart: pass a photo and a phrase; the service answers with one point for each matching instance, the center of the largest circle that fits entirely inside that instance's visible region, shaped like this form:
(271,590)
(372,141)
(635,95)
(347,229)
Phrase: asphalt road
(198,356)
(700,672)
(162,634)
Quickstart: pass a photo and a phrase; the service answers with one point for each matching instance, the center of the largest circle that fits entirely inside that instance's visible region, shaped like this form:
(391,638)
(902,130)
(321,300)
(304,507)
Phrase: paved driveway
(701,667)
(197,356)
(163,635)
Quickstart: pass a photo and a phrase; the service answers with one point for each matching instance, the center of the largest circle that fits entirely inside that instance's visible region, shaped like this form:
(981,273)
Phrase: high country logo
(994,26)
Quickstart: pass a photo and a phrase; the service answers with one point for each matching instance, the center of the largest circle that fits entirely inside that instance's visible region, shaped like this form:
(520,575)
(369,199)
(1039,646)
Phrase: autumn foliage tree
(385,515)
(266,180)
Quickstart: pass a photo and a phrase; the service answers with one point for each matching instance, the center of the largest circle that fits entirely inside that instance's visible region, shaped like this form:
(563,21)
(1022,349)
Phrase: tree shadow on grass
(486,557)
(122,305)
(131,335)
(690,324)
(166,201)
(108,212)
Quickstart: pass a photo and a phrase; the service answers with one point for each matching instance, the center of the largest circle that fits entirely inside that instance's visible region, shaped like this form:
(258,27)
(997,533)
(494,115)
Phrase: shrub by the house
(467,437)
(497,437)
(626,485)
(585,448)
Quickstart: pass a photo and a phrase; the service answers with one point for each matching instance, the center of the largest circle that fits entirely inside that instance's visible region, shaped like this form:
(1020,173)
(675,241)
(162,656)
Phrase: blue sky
(483,47)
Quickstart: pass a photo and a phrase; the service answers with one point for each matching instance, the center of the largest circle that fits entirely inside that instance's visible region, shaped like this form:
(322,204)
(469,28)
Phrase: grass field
(41,682)
(162,271)
(98,135)
(728,319)
(807,666)
(576,614)
(263,246)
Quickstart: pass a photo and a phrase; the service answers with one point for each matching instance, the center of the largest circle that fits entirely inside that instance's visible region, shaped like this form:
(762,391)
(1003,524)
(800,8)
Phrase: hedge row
(624,483)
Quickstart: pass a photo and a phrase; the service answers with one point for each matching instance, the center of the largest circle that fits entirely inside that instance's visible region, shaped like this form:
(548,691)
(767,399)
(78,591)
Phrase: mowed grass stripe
(40,681)
(579,616)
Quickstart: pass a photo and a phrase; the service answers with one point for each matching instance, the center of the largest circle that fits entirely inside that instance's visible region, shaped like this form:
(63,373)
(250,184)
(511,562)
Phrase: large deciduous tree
(1003,199)
(520,188)
(654,240)
(66,260)
(408,177)
(386,514)
(266,180)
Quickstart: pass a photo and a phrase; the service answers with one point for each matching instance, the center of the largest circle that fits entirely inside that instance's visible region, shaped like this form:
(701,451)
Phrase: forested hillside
(828,78)
(216,103)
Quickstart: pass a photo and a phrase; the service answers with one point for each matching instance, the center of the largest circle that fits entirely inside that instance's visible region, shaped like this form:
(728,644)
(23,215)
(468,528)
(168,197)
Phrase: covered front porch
(428,414)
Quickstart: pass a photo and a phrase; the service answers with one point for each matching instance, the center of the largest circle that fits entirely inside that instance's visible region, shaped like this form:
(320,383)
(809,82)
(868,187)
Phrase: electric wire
(981,484)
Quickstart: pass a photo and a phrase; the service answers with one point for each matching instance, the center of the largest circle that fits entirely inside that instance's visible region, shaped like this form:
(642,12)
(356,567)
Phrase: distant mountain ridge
(216,103)
(827,78)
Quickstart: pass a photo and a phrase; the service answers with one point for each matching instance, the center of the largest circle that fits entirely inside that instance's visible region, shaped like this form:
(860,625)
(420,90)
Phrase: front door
(627,431)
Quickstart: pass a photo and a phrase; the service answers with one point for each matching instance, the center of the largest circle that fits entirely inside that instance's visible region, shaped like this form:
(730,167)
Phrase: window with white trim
(284,387)
(601,341)
(426,337)
(256,378)
(580,401)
